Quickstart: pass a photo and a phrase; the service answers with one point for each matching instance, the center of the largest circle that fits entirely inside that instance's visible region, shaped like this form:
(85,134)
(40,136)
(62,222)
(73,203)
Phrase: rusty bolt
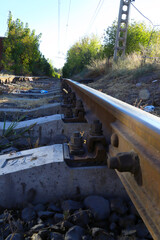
(125,162)
(79,104)
(114,140)
(76,144)
(79,108)
(65,100)
(69,90)
(76,139)
(72,95)
(96,128)
(68,112)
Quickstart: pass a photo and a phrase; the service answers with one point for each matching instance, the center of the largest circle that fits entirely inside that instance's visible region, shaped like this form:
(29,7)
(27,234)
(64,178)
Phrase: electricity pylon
(121,37)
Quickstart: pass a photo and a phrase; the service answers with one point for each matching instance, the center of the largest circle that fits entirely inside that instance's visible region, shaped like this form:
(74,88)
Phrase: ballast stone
(75,232)
(56,236)
(28,214)
(70,205)
(99,206)
(15,236)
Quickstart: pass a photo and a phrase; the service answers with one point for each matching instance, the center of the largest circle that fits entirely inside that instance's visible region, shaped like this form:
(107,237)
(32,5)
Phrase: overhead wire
(144,16)
(59,26)
(141,13)
(99,6)
(67,24)
(153,25)
(68,13)
(95,11)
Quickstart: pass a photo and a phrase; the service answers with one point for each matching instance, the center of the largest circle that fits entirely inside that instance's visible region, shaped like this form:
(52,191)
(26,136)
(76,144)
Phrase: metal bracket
(97,158)
(78,116)
(93,153)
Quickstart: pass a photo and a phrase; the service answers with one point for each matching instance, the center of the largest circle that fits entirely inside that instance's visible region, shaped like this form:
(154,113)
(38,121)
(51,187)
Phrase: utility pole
(121,36)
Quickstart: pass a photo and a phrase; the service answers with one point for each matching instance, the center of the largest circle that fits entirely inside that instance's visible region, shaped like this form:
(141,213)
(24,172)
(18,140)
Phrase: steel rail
(136,131)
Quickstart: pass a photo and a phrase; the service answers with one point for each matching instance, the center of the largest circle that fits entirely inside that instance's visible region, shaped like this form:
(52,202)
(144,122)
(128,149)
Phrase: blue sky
(43,17)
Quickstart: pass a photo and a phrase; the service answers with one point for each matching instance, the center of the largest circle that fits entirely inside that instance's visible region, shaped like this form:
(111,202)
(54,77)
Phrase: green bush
(81,54)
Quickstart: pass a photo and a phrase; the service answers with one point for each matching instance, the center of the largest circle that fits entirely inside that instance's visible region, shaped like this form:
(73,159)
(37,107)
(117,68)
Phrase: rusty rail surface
(133,138)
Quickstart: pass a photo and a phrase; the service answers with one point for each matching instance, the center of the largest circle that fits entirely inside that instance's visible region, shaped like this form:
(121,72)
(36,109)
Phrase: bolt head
(79,104)
(96,128)
(68,113)
(76,134)
(76,139)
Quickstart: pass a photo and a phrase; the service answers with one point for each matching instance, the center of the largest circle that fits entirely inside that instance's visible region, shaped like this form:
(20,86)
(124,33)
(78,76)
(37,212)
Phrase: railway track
(132,146)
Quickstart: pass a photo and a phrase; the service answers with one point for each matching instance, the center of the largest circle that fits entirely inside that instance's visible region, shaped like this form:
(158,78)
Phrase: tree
(81,54)
(21,53)
(138,35)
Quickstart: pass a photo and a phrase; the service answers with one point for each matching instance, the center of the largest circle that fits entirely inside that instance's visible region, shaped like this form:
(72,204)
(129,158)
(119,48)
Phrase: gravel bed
(93,217)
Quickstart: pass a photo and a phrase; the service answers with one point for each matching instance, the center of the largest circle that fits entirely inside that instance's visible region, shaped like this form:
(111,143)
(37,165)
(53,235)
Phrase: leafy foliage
(21,53)
(138,35)
(81,54)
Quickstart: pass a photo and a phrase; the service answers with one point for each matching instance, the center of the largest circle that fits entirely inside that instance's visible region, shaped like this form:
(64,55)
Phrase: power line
(60,57)
(100,3)
(59,25)
(153,25)
(145,16)
(68,13)
(95,14)
(142,13)
(95,11)
(66,38)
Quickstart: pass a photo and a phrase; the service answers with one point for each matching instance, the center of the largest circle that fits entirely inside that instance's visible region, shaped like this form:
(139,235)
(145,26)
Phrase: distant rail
(133,148)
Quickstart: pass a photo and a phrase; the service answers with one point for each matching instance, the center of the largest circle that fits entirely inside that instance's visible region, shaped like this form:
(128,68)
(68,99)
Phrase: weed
(10,134)
(138,104)
(98,68)
(66,214)
(33,145)
(36,143)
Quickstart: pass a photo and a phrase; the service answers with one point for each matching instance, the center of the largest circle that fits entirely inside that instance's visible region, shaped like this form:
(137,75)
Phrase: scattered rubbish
(30,79)
(149,108)
(154,81)
(144,94)
(138,84)
(44,91)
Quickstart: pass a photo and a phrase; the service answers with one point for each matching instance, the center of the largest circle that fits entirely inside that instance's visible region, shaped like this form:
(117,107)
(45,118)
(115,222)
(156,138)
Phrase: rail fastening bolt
(76,144)
(96,128)
(76,140)
(124,162)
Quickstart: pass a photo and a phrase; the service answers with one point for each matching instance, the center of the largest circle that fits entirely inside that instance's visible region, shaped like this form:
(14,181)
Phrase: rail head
(131,116)
(137,131)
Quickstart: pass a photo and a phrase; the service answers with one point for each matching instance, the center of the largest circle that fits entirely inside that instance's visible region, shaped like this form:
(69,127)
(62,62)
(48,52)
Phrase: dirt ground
(11,91)
(142,92)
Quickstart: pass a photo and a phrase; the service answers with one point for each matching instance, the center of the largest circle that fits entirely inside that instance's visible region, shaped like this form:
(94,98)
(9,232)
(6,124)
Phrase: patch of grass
(133,65)
(129,77)
(98,68)
(80,75)
(10,134)
(26,103)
